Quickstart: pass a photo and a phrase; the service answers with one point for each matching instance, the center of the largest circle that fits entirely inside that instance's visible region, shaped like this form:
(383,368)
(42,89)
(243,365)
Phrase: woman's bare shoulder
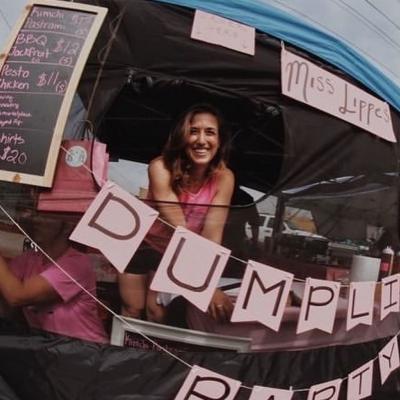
(225,174)
(157,165)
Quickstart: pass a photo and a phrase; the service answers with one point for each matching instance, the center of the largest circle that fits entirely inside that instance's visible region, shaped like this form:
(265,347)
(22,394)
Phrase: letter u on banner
(204,384)
(318,307)
(115,223)
(263,295)
(191,267)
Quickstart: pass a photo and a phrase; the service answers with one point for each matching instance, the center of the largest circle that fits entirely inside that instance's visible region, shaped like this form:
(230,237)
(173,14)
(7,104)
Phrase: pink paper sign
(306,82)
(359,383)
(115,223)
(390,295)
(318,307)
(266,393)
(213,29)
(361,304)
(191,266)
(325,391)
(202,383)
(389,359)
(263,295)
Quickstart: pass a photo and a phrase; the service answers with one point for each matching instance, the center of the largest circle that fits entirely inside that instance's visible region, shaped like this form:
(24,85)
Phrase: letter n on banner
(360,309)
(390,295)
(359,382)
(263,295)
(204,384)
(325,391)
(389,359)
(318,307)
(267,393)
(115,223)
(191,266)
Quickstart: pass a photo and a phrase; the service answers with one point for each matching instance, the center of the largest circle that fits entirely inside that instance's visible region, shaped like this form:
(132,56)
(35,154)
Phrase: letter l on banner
(191,267)
(115,223)
(207,385)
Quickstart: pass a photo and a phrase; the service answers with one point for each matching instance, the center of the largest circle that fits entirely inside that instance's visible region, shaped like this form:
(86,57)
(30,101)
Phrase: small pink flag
(360,309)
(359,383)
(325,391)
(204,384)
(191,266)
(263,295)
(390,298)
(266,393)
(318,307)
(115,223)
(389,359)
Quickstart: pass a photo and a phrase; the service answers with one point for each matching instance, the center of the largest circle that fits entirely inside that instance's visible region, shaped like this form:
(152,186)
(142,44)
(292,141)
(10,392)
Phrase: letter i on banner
(389,359)
(361,304)
(318,307)
(359,382)
(267,393)
(204,384)
(325,391)
(390,292)
(191,266)
(263,295)
(115,223)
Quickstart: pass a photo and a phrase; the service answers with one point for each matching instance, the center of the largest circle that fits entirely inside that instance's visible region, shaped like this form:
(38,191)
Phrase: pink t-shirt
(195,208)
(77,314)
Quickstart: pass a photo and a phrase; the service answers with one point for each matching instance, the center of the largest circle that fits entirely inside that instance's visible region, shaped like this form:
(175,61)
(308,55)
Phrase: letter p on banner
(115,223)
(207,385)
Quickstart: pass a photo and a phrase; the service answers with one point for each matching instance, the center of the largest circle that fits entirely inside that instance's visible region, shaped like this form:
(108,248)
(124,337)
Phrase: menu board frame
(45,179)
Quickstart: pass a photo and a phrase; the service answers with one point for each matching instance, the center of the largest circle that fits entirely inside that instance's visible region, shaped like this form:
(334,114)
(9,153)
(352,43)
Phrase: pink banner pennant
(115,223)
(359,383)
(318,307)
(266,393)
(191,266)
(361,304)
(325,391)
(204,384)
(389,359)
(263,295)
(390,295)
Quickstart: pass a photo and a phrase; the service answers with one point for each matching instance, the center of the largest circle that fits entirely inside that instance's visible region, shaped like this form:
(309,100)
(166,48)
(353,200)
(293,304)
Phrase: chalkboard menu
(39,74)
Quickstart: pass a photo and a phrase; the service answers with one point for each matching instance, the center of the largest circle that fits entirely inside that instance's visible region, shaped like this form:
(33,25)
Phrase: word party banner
(306,82)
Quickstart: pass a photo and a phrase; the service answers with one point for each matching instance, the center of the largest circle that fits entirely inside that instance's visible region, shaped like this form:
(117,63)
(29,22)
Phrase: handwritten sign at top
(213,29)
(310,84)
(39,73)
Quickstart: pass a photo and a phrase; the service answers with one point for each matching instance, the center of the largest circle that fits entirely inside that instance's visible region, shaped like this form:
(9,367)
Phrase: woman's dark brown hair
(174,154)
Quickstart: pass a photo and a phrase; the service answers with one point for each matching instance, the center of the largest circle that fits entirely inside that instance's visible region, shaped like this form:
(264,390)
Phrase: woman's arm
(160,187)
(34,290)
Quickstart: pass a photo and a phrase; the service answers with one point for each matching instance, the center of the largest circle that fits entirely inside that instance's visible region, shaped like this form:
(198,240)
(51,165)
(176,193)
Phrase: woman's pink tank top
(194,206)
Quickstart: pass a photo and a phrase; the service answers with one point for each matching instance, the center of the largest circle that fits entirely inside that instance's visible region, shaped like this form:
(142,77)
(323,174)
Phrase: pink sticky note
(360,309)
(191,266)
(115,223)
(324,391)
(263,295)
(390,298)
(389,359)
(318,307)
(265,393)
(359,382)
(202,383)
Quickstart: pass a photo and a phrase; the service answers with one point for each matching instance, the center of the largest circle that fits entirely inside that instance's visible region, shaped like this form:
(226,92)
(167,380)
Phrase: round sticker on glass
(76,156)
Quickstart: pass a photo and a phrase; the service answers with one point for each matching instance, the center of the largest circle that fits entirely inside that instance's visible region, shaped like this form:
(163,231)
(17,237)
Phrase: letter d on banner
(207,385)
(191,266)
(115,223)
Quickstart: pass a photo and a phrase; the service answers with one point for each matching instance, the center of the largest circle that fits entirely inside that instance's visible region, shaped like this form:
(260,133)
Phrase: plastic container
(386,265)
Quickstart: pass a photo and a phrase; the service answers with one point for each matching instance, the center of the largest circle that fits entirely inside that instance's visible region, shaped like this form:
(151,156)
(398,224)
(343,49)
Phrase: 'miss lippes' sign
(310,84)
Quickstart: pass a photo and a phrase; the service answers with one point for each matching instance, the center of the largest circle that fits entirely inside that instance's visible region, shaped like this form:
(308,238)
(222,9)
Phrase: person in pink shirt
(49,298)
(188,184)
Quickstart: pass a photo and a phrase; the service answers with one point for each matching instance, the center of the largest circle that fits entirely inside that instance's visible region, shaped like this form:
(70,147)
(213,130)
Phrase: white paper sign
(263,295)
(213,29)
(361,304)
(266,393)
(390,295)
(310,84)
(325,391)
(389,359)
(359,383)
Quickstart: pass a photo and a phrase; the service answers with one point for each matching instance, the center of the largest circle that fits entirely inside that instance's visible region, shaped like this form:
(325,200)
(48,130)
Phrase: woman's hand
(221,306)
